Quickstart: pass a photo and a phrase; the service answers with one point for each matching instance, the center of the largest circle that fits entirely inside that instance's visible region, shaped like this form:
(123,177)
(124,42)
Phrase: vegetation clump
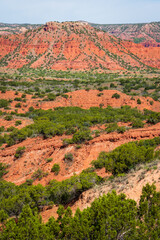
(19,152)
(39,174)
(18,122)
(112,127)
(49,160)
(8,117)
(116,95)
(55,168)
(77,121)
(68,157)
(138,101)
(4,103)
(111,216)
(3,170)
(127,156)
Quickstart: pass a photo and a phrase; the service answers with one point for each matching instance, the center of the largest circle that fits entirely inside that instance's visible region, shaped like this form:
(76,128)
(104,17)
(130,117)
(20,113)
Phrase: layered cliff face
(148,34)
(74,45)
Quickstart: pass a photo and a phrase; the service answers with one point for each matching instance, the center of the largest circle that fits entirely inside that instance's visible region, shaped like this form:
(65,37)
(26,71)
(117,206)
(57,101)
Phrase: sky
(101,11)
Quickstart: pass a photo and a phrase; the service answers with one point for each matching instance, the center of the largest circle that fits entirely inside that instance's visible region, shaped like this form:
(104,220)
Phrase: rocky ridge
(148,34)
(74,45)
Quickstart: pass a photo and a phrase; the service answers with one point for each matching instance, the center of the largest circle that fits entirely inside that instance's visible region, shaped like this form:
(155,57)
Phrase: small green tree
(55,168)
(18,122)
(138,101)
(116,95)
(18,105)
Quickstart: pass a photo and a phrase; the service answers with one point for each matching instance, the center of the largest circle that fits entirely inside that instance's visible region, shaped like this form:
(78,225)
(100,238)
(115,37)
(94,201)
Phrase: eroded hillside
(74,45)
(148,34)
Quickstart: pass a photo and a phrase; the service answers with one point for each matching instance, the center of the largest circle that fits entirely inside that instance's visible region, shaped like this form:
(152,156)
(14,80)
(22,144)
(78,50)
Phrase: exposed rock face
(148,34)
(74,45)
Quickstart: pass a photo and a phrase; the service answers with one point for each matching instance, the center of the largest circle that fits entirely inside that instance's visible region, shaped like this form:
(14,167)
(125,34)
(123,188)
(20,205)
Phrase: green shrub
(99,94)
(2,129)
(18,105)
(121,129)
(138,101)
(10,129)
(78,146)
(55,168)
(68,157)
(18,99)
(65,96)
(3,168)
(97,133)
(4,103)
(19,152)
(76,121)
(49,160)
(3,91)
(153,118)
(8,117)
(23,96)
(31,109)
(116,95)
(101,105)
(39,174)
(112,85)
(127,156)
(69,189)
(18,122)
(51,97)
(67,141)
(137,123)
(112,127)
(3,216)
(81,136)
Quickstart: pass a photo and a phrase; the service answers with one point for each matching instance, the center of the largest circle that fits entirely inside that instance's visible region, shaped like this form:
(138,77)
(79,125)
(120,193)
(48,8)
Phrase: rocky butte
(74,45)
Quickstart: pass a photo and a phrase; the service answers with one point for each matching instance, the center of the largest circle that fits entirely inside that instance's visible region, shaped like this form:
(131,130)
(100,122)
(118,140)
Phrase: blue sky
(101,11)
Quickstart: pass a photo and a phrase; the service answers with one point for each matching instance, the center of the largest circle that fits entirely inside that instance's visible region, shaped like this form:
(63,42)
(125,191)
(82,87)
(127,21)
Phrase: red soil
(8,124)
(84,99)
